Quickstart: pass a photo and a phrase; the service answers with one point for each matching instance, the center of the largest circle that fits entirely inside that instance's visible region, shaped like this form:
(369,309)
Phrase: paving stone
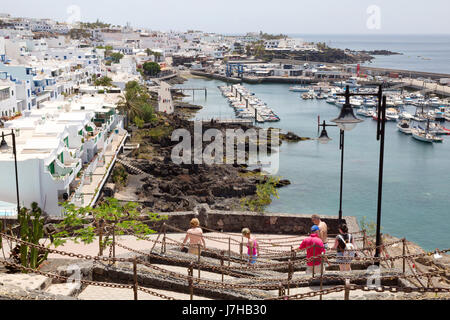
(104,293)
(65,289)
(26,281)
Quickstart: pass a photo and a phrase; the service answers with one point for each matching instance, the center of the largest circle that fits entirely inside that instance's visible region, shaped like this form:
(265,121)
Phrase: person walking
(252,246)
(195,237)
(323,229)
(345,247)
(314,248)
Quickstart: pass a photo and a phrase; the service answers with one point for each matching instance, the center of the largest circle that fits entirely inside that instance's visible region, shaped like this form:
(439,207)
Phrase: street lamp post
(347,121)
(346,118)
(381,126)
(323,138)
(4,146)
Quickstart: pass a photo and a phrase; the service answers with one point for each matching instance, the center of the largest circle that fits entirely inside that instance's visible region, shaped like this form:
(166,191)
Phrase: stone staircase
(131,167)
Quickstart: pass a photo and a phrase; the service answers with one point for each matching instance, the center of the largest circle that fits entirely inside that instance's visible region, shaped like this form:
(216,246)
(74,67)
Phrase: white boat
(405,115)
(391,115)
(404,126)
(299,89)
(340,102)
(331,100)
(352,82)
(365,112)
(421,135)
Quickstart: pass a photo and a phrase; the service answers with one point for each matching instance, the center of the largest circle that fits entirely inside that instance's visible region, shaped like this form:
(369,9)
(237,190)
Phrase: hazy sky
(240,16)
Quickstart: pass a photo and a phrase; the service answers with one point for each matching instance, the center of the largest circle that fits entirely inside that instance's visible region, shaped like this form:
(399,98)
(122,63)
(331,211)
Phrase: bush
(139,122)
(119,176)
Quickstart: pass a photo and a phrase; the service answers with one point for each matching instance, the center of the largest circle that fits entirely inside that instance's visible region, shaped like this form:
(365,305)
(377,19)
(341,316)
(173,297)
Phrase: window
(4,94)
(51,167)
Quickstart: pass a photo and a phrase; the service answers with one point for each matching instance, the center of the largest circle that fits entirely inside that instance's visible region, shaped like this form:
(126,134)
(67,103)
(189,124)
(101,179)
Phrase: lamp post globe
(323,138)
(347,120)
(3,144)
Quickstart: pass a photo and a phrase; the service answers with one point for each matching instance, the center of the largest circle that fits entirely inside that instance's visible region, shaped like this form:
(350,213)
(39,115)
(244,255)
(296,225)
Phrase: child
(252,245)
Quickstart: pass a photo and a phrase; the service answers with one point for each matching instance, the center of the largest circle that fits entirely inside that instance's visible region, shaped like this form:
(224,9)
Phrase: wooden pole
(199,255)
(241,249)
(313,259)
(100,236)
(163,244)
(347,289)
(404,253)
(229,251)
(364,239)
(135,285)
(222,254)
(191,279)
(289,276)
(281,291)
(114,242)
(321,275)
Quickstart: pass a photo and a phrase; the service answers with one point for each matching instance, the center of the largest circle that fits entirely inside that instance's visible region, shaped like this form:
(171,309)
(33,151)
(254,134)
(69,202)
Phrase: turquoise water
(416,189)
(434,48)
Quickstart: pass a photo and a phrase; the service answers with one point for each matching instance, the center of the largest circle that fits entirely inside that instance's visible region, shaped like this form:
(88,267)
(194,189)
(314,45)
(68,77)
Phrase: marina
(247,106)
(313,169)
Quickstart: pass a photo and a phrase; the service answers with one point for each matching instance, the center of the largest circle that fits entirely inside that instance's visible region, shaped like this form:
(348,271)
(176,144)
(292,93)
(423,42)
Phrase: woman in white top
(195,237)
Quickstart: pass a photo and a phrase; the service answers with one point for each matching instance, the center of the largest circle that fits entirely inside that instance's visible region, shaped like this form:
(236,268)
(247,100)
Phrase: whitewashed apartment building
(65,151)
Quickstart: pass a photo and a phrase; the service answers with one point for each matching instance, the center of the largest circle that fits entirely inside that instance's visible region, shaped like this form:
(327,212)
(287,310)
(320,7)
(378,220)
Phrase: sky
(241,16)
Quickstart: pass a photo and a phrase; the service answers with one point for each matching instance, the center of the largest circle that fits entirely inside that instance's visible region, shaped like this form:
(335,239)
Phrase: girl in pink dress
(252,245)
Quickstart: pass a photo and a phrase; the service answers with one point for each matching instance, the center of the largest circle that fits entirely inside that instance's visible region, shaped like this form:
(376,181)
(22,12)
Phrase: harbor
(246,105)
(411,178)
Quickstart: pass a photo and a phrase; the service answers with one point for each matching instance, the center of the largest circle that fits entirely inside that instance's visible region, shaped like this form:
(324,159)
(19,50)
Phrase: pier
(192,89)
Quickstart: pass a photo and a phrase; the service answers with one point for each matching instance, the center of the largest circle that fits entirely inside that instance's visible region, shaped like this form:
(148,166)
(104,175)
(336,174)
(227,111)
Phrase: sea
(430,53)
(416,185)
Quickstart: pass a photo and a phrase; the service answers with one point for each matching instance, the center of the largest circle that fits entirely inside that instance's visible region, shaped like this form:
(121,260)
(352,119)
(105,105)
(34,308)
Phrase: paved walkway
(165,102)
(103,293)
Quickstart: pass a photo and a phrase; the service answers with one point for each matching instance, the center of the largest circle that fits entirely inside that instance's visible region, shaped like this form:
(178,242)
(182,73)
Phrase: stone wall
(270,223)
(234,221)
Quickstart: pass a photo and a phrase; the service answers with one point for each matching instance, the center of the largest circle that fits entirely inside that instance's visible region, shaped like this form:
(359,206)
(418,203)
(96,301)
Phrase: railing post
(135,284)
(191,279)
(404,252)
(100,237)
(222,253)
(199,256)
(313,259)
(290,271)
(163,244)
(364,239)
(241,247)
(347,289)
(229,251)
(114,243)
(281,291)
(321,275)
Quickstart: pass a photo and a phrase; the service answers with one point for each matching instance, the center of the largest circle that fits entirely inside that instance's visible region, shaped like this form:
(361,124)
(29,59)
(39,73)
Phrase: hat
(314,228)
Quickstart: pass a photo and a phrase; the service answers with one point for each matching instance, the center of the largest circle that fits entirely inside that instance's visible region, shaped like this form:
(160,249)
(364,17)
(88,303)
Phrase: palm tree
(129,105)
(132,102)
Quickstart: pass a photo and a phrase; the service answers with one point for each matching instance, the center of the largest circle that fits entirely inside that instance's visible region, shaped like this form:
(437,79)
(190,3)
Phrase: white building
(53,143)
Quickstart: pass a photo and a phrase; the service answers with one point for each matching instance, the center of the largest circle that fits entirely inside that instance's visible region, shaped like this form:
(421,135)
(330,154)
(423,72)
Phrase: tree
(107,219)
(136,102)
(264,192)
(116,57)
(151,69)
(102,81)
